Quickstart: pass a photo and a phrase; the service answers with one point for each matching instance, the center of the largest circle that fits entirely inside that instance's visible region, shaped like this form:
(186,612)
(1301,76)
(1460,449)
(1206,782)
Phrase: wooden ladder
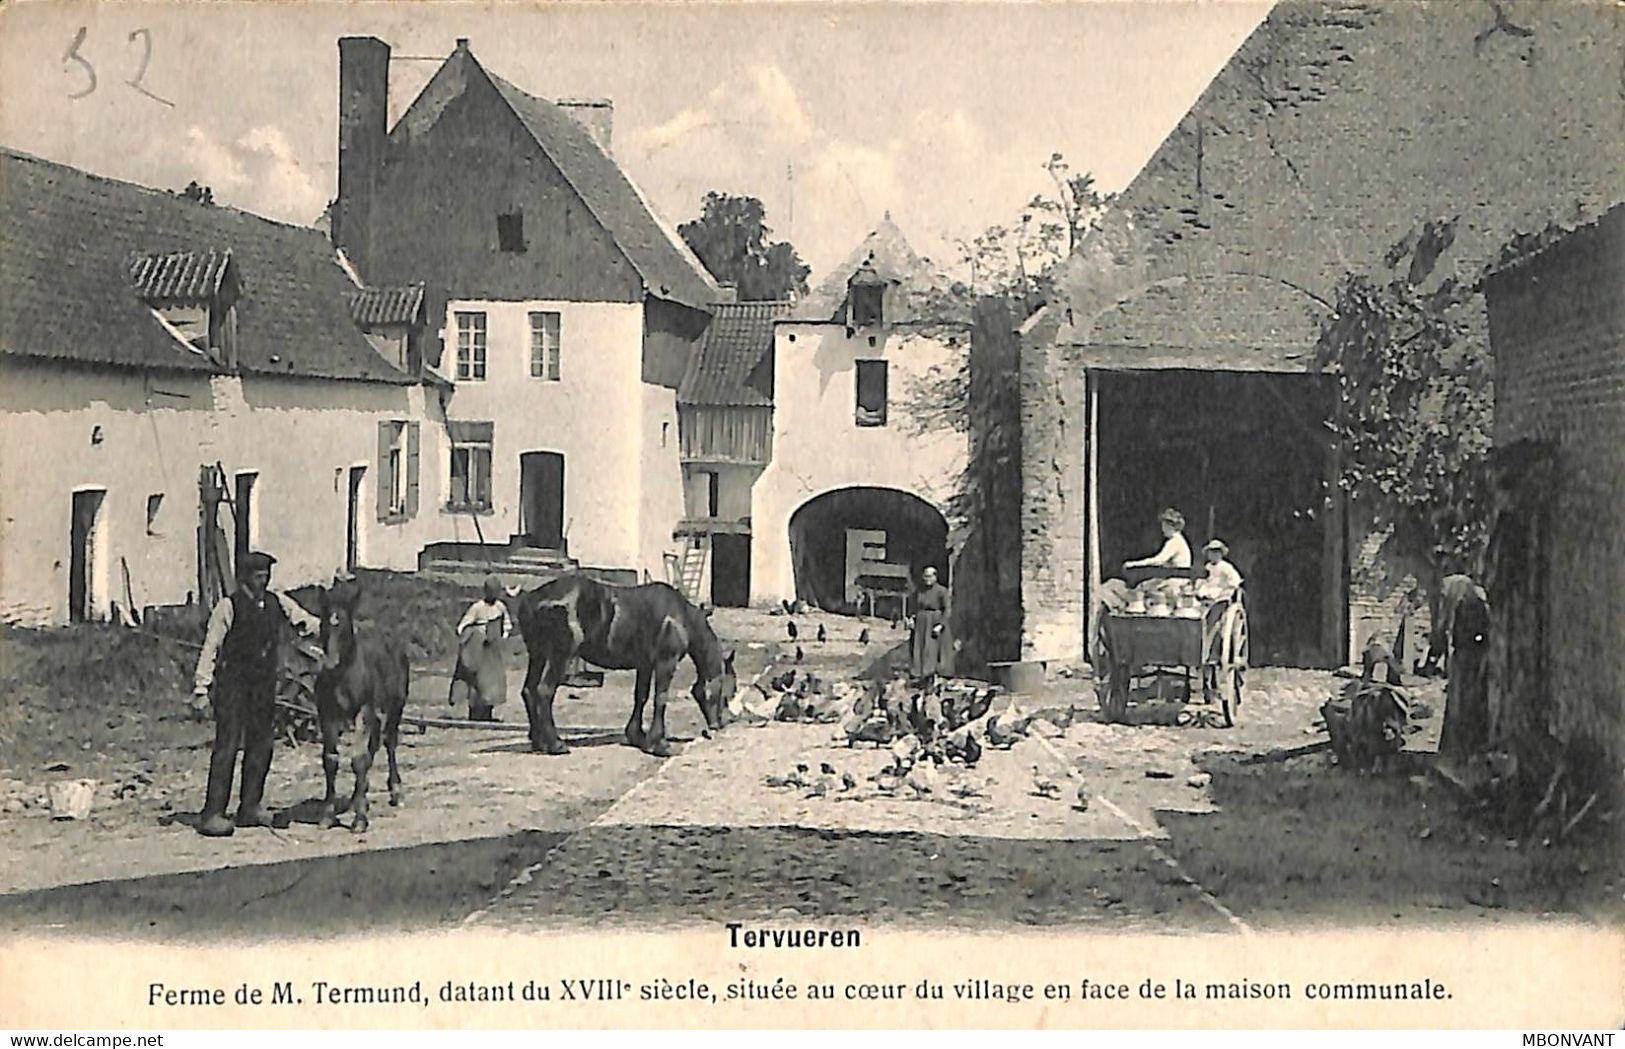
(693,570)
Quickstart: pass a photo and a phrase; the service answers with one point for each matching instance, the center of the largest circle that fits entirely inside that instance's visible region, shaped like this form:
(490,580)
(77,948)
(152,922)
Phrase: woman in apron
(481,677)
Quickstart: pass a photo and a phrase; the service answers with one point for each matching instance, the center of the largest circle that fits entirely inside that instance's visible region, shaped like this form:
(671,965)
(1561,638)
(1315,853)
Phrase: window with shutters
(397,471)
(470,474)
(544,346)
(871,383)
(470,347)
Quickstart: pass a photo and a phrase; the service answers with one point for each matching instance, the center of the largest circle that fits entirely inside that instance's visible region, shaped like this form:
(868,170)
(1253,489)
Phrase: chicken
(966,790)
(823,635)
(1043,786)
(1062,719)
(921,780)
(980,706)
(788,607)
(863,636)
(819,787)
(779,781)
(800,655)
(1083,799)
(826,768)
(848,781)
(888,781)
(998,736)
(905,750)
(874,729)
(972,751)
(790,628)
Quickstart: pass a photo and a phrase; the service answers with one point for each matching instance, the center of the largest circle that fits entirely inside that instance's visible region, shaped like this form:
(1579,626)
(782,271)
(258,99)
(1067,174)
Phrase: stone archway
(827,531)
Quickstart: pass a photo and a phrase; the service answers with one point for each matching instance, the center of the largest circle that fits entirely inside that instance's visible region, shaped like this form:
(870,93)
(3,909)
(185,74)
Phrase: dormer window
(511,233)
(392,320)
(194,294)
(866,297)
(867,306)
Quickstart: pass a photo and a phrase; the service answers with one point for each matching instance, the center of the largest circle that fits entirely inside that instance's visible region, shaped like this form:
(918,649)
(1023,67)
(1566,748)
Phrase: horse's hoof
(661,749)
(396,798)
(358,825)
(554,749)
(634,741)
(327,821)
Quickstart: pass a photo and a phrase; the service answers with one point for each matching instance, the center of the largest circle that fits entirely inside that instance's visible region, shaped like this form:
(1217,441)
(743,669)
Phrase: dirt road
(1178,833)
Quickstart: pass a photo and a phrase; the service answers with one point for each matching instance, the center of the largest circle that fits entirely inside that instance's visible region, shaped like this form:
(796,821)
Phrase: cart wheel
(1232,673)
(1111,690)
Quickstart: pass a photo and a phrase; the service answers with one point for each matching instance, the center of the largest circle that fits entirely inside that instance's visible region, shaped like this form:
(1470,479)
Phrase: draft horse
(648,629)
(362,675)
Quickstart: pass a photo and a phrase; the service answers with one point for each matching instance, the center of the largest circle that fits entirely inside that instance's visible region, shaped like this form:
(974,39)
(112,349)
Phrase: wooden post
(1091,386)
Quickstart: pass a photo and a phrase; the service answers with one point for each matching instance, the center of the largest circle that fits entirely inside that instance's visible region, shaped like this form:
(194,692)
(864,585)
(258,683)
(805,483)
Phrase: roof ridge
(92,176)
(506,89)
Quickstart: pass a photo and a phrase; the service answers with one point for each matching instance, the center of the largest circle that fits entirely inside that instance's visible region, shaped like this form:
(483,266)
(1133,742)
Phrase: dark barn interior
(1245,458)
(916,536)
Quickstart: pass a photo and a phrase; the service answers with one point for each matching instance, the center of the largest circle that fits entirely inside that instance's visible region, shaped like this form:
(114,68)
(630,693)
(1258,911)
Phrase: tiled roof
(739,339)
(373,306)
(1339,128)
(669,269)
(67,241)
(179,276)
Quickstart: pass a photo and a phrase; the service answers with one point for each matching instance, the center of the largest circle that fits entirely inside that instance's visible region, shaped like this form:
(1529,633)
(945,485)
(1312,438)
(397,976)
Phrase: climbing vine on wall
(1415,403)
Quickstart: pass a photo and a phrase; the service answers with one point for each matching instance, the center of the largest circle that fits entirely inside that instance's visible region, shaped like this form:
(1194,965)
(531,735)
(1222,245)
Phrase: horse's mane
(704,647)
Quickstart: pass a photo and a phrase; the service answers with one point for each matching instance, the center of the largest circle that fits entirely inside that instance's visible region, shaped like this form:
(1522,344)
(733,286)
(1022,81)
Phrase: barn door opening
(730,570)
(84,559)
(541,499)
(352,521)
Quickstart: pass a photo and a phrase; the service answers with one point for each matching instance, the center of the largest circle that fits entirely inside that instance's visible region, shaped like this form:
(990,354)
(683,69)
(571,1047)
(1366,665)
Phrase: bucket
(1021,676)
(71,799)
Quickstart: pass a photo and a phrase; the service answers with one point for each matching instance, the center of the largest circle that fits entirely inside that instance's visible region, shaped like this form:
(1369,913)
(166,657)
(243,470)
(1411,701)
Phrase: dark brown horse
(361,674)
(648,629)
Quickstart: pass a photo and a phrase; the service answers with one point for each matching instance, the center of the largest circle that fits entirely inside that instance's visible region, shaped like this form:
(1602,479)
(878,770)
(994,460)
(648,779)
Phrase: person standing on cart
(242,643)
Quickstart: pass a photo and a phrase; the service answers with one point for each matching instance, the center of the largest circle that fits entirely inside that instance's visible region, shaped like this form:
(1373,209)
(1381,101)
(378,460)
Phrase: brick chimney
(363,126)
(597,115)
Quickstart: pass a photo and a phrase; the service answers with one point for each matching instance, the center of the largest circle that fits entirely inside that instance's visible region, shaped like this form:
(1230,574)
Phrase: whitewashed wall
(818,446)
(661,505)
(156,430)
(599,415)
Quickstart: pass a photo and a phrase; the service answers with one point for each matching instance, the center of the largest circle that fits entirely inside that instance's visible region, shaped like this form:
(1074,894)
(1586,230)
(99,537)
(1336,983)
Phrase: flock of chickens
(936,735)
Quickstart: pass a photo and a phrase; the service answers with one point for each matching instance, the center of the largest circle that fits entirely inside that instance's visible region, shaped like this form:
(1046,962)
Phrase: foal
(360,674)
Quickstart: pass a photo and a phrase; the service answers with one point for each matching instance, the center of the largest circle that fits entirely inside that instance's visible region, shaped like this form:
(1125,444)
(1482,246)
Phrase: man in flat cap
(243,637)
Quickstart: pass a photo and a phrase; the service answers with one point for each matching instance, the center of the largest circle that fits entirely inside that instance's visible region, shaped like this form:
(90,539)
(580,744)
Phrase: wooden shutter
(386,483)
(411,469)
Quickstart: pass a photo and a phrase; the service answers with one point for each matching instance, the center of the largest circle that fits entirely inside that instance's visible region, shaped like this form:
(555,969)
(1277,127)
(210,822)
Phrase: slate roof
(739,339)
(68,240)
(376,306)
(668,268)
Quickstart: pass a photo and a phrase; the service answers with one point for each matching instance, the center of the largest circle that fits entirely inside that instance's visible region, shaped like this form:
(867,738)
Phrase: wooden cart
(1130,646)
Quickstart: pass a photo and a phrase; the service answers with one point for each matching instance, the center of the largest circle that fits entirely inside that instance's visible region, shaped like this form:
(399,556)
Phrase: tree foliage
(1415,404)
(731,237)
(1016,261)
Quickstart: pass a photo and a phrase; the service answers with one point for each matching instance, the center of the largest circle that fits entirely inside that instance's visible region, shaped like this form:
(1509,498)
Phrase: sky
(833,114)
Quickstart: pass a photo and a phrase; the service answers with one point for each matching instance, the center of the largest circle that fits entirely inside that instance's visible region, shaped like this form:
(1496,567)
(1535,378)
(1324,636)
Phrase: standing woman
(481,675)
(930,647)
